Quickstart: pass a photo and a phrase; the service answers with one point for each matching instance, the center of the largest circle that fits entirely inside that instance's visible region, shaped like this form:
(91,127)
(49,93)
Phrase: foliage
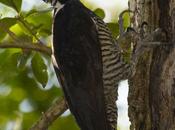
(24,73)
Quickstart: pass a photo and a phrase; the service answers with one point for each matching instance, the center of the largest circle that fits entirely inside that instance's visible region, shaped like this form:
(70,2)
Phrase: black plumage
(88,64)
(77,51)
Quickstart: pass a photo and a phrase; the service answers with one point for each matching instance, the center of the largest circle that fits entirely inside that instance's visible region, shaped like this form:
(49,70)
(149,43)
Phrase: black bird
(88,64)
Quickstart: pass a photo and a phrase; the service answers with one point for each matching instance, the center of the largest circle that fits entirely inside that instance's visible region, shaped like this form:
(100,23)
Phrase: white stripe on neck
(58,6)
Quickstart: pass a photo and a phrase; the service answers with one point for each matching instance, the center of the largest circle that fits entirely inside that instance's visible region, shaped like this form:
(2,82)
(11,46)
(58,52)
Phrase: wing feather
(78,56)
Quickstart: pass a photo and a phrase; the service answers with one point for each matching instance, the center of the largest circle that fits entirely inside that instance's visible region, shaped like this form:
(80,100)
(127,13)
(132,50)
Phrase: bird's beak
(46,1)
(54,2)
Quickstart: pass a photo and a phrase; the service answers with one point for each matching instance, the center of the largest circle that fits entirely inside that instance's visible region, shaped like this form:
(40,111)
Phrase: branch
(25,24)
(35,47)
(154,44)
(18,43)
(58,108)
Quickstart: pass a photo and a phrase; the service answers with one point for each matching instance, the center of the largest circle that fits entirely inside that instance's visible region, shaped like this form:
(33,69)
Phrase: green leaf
(126,19)
(114,27)
(60,124)
(22,60)
(100,13)
(6,23)
(8,66)
(15,4)
(39,69)
(40,23)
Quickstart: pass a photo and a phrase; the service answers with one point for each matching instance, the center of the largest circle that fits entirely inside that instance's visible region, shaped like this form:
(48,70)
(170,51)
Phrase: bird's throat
(58,6)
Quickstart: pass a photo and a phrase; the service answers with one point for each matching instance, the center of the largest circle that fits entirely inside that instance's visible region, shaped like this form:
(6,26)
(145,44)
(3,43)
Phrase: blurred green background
(24,73)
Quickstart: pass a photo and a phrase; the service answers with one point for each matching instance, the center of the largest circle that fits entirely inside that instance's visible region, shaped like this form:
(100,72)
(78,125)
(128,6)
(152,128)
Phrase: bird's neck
(58,4)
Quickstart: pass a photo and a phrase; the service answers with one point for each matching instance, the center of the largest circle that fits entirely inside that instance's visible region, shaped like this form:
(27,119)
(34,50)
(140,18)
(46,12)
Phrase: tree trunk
(152,90)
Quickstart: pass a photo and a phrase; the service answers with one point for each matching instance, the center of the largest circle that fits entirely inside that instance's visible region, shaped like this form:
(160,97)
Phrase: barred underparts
(115,68)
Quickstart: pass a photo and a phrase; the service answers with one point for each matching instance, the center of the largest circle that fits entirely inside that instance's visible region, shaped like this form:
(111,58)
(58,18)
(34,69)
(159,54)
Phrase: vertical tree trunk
(152,90)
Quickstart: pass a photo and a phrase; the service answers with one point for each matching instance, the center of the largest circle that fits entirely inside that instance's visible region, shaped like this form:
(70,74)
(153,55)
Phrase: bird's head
(54,2)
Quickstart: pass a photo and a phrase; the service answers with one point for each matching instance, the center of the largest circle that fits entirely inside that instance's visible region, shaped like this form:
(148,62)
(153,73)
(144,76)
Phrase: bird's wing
(78,55)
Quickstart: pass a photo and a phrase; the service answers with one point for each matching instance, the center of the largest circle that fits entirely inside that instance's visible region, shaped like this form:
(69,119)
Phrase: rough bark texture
(152,90)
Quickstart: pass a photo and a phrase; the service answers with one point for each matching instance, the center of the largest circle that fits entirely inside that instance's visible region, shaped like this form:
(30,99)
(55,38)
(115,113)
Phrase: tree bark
(151,96)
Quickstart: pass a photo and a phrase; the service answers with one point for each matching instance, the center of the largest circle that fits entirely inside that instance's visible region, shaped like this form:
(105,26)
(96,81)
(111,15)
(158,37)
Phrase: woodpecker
(88,63)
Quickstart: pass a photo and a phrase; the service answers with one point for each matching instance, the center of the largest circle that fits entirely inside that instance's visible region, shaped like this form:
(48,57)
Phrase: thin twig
(19,43)
(36,47)
(58,108)
(11,34)
(25,24)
